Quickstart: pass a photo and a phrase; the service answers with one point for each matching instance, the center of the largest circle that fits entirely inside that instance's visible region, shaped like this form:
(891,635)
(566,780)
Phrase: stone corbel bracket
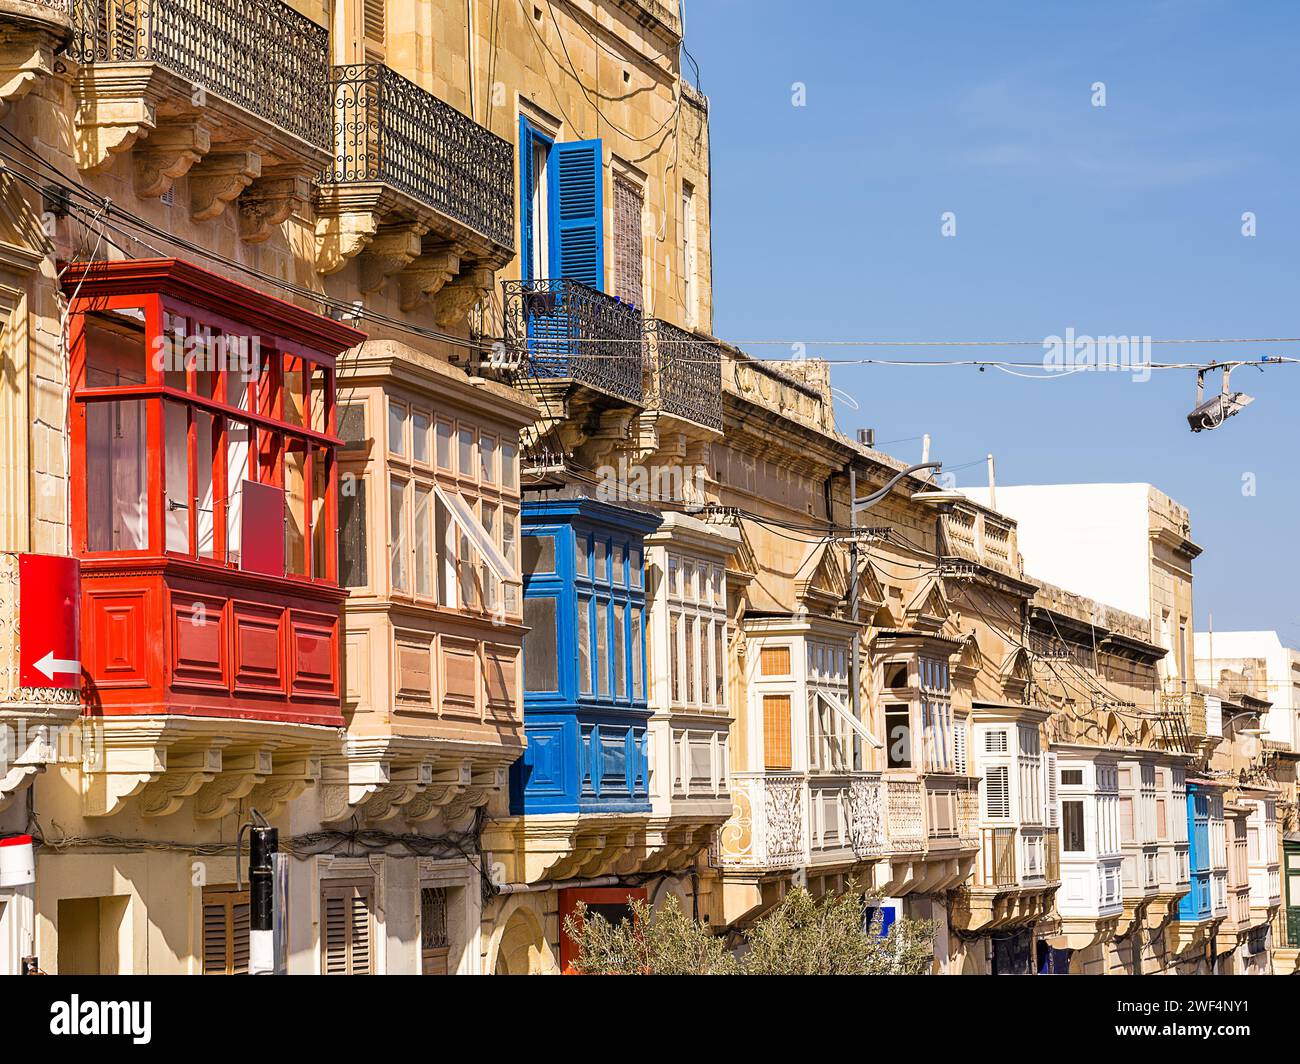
(426,276)
(217,763)
(390,250)
(26,54)
(220,179)
(240,772)
(186,773)
(291,774)
(116,106)
(21,760)
(453,302)
(347,220)
(270,200)
(169,153)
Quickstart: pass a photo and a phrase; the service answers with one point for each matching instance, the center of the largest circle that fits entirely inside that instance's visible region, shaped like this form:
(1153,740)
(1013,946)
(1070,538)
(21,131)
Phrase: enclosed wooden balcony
(203,440)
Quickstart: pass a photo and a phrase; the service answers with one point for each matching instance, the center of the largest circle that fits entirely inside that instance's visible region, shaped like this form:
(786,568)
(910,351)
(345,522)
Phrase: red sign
(49,628)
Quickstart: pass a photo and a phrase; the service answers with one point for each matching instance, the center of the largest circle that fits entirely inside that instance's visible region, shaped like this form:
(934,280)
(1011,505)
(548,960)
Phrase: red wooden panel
(615,897)
(49,623)
(314,657)
(116,642)
(258,639)
(198,641)
(261,541)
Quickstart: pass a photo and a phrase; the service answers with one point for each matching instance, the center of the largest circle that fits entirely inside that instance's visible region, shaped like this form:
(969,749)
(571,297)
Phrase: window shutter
(345,929)
(995,742)
(959,748)
(578,244)
(225,932)
(628,254)
(997,792)
(776,732)
(1053,817)
(374,17)
(527,175)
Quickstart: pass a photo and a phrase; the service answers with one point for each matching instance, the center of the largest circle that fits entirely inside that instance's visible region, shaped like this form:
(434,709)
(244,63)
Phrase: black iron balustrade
(258,54)
(565,330)
(389,130)
(686,374)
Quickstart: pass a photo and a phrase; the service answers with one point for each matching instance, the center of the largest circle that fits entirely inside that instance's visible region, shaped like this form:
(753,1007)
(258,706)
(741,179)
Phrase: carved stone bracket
(24,752)
(116,106)
(290,776)
(219,179)
(280,192)
(390,251)
(240,773)
(347,219)
(217,763)
(26,58)
(169,153)
(186,772)
(425,277)
(378,778)
(452,303)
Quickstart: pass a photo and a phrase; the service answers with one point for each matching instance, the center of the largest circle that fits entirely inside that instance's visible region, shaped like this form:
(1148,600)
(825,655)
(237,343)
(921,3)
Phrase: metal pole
(263,842)
(854,681)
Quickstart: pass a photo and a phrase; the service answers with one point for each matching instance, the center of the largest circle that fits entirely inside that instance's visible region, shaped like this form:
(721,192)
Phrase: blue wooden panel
(587,750)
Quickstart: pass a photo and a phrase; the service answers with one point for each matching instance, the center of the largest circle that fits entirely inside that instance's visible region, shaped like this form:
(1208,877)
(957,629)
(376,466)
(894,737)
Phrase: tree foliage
(801,936)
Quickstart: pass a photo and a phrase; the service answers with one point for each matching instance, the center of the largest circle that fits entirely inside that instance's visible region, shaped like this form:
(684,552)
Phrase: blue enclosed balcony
(585,706)
(1206,855)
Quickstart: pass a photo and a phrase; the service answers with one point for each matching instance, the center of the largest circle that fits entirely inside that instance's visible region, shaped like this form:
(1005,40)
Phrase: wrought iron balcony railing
(564,330)
(685,374)
(258,54)
(389,130)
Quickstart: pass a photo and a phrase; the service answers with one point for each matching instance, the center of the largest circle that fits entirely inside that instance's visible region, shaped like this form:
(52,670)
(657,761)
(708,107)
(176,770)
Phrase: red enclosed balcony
(204,495)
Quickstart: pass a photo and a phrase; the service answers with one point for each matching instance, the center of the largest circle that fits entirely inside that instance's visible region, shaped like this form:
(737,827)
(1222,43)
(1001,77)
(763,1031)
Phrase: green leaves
(801,936)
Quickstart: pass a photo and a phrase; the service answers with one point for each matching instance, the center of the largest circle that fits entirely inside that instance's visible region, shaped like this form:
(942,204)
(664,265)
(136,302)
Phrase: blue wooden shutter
(526,177)
(577,243)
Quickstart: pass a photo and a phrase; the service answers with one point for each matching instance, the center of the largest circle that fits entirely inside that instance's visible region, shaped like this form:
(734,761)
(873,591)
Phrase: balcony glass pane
(539,645)
(117,510)
(176,453)
(352,535)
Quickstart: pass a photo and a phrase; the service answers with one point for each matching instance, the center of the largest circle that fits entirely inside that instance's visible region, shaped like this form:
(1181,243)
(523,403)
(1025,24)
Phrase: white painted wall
(1091,539)
(1282,663)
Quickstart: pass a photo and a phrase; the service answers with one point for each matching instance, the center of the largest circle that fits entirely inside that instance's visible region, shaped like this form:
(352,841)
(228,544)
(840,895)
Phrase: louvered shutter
(374,17)
(777,746)
(628,251)
(997,792)
(225,932)
(346,934)
(527,175)
(577,247)
(995,742)
(959,748)
(1053,814)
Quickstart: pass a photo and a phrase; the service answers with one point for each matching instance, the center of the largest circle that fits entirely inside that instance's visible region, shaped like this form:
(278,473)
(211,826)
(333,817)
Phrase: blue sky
(1122,220)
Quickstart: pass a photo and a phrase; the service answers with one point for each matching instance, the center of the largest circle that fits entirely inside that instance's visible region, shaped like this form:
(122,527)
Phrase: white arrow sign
(49,665)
